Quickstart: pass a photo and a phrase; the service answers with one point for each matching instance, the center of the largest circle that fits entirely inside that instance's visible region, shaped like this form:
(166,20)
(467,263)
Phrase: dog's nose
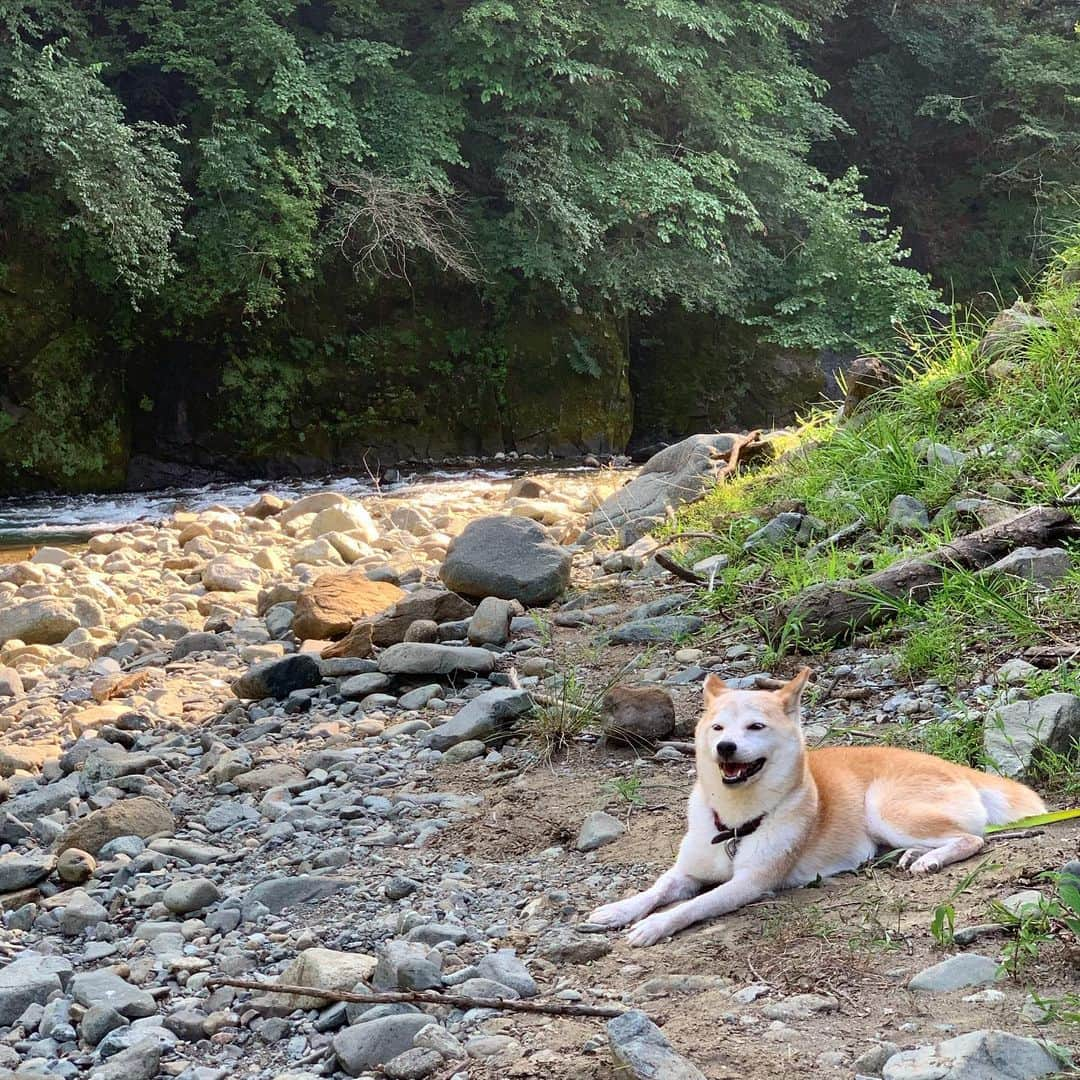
(726,749)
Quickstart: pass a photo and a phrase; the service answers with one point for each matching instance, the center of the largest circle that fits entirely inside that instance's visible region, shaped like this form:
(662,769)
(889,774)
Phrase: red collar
(734,832)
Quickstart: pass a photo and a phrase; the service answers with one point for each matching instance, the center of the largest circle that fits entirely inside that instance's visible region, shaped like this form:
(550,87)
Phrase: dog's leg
(669,887)
(953,850)
(740,890)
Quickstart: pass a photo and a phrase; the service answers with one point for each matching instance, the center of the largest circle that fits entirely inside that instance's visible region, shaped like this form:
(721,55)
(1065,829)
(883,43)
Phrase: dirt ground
(857,937)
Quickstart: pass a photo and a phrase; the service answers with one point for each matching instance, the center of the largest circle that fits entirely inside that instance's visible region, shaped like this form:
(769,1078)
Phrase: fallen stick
(838,610)
(420,997)
(683,747)
(846,533)
(680,571)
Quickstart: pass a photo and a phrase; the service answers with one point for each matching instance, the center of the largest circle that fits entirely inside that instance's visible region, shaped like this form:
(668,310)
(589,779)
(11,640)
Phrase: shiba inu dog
(767,814)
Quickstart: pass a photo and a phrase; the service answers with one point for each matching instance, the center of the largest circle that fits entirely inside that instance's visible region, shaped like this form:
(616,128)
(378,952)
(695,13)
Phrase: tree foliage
(620,155)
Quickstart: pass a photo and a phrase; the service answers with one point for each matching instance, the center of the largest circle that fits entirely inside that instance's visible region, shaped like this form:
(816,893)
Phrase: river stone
(350,518)
(421,658)
(97,1022)
(355,644)
(908,514)
(112,762)
(313,504)
(677,474)
(278,678)
(366,1045)
(488,716)
(42,800)
(22,871)
(37,622)
(788,529)
(139,1061)
(461,752)
(406,965)
(414,1064)
(328,608)
(957,972)
(105,987)
(426,630)
(425,605)
(27,981)
(597,830)
(1044,566)
(800,1007)
(80,913)
(140,816)
(507,557)
(196,642)
(637,715)
(321,969)
(504,967)
(490,625)
(565,946)
(11,684)
(231,573)
(276,894)
(74,867)
(660,628)
(189,850)
(642,1052)
(357,687)
(193,894)
(978,1055)
(1015,735)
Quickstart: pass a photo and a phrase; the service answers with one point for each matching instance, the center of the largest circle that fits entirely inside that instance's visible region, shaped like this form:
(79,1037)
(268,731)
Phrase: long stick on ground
(422,997)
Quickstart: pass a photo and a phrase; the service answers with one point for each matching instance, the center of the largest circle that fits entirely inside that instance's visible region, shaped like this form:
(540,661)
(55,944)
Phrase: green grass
(1015,413)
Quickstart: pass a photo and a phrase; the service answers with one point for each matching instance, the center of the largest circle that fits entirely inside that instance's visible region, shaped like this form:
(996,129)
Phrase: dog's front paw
(613,915)
(651,930)
(926,864)
(911,856)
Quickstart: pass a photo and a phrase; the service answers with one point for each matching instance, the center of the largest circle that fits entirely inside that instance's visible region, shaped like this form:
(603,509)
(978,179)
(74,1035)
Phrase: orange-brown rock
(332,603)
(357,642)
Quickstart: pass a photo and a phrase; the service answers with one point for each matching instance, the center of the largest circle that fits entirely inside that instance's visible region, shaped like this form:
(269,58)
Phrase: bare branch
(378,222)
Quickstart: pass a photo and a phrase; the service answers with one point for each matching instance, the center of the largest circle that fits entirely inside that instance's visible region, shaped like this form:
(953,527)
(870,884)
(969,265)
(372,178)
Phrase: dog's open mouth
(738,772)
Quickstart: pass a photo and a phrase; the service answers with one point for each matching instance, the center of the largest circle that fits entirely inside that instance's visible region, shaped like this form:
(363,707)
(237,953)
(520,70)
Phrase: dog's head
(743,732)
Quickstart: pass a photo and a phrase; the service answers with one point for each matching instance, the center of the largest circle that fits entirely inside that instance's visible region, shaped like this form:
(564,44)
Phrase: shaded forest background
(265,236)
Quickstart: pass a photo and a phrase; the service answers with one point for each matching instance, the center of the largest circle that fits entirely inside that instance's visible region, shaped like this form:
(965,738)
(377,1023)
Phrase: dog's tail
(1006,800)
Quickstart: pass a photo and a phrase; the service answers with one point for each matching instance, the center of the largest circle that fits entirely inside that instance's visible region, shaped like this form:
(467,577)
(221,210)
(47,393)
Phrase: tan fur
(825,811)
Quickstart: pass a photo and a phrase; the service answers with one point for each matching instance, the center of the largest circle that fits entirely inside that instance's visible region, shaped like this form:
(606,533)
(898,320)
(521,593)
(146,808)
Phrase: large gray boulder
(1015,735)
(678,474)
(508,557)
(37,622)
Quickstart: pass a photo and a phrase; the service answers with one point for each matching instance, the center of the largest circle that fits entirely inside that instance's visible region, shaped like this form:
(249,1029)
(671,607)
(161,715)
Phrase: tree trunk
(837,610)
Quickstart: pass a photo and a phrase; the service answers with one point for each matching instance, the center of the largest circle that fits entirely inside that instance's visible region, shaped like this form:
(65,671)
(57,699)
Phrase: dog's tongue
(734,768)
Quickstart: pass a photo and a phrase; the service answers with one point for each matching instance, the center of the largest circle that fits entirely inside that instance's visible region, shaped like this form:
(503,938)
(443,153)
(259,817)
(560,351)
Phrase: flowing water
(33,520)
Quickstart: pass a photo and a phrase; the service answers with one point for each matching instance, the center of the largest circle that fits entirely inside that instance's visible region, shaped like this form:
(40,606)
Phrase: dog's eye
(718,727)
(755,727)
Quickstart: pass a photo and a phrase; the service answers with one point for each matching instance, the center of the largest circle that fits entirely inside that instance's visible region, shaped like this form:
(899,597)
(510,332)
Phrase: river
(31,520)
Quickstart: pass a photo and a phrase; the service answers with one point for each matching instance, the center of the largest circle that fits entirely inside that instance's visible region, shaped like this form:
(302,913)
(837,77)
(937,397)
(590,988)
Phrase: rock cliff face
(104,399)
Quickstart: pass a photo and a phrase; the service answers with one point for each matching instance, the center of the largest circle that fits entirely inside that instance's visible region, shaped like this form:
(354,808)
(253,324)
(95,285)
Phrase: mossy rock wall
(691,372)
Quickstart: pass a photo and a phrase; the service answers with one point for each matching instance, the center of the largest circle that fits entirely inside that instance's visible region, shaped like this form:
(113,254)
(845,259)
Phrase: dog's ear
(715,687)
(790,693)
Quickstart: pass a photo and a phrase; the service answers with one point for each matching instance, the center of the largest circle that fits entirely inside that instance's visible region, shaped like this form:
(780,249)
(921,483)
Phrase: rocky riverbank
(310,743)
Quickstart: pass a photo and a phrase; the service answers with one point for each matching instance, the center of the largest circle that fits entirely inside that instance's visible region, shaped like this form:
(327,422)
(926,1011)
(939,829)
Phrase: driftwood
(837,610)
(422,997)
